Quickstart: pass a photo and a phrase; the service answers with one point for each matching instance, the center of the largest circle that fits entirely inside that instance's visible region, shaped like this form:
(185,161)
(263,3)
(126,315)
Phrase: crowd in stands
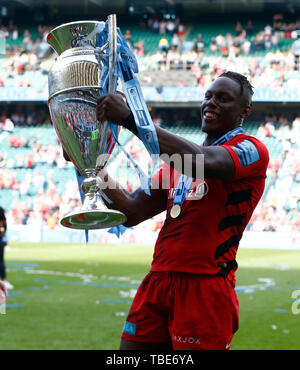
(245,41)
(24,117)
(47,205)
(36,195)
(29,45)
(237,52)
(24,52)
(39,199)
(234,50)
(161,25)
(279,210)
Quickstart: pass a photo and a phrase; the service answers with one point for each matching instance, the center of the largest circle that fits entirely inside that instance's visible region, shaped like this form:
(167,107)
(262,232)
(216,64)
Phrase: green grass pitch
(77,296)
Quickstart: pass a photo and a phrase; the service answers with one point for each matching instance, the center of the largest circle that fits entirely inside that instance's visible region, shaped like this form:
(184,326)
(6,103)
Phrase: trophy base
(93,219)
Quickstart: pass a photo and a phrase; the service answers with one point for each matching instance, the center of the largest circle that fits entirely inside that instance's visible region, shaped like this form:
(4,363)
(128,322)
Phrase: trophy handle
(112,39)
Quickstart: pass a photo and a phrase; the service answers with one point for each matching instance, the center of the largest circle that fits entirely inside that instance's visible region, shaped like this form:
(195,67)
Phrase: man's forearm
(172,145)
(137,206)
(118,197)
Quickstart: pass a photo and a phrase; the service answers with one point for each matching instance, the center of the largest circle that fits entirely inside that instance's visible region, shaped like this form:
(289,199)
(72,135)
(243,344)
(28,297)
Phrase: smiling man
(188,301)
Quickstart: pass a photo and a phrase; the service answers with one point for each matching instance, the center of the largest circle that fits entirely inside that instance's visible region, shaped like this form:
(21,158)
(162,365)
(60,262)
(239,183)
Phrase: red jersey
(204,238)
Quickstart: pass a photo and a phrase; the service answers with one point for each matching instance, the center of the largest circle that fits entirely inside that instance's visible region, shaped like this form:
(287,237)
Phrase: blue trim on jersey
(129,328)
(228,136)
(247,153)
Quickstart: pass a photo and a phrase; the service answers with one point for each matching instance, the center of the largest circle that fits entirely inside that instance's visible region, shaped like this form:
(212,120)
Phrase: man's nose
(211,101)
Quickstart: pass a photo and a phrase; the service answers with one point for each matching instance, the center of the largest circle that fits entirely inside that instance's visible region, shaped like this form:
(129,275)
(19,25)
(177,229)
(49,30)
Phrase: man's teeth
(210,115)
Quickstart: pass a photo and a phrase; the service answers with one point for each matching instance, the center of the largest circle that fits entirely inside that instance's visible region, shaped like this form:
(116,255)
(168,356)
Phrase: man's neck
(211,138)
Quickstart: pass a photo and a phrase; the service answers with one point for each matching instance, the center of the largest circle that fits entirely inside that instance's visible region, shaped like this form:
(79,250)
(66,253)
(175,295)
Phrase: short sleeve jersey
(204,238)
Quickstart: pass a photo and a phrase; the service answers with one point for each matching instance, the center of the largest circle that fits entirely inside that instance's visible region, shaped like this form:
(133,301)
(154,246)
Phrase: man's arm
(217,161)
(137,206)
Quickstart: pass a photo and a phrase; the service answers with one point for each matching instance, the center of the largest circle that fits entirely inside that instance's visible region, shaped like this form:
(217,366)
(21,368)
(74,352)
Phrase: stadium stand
(36,182)
(47,176)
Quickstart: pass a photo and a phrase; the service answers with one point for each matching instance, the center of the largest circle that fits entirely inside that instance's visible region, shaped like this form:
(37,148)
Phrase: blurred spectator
(199,43)
(213,45)
(296,51)
(155,25)
(162,26)
(170,27)
(249,28)
(181,30)
(175,42)
(238,28)
(127,37)
(139,48)
(163,44)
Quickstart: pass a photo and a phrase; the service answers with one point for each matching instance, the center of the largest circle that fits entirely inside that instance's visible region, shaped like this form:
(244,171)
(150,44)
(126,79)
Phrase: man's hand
(3,293)
(112,108)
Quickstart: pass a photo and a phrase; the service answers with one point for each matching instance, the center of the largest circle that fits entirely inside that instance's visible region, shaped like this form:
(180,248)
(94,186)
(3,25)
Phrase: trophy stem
(89,184)
(93,215)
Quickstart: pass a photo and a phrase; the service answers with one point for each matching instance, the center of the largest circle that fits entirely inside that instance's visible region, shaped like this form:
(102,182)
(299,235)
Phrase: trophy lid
(74,34)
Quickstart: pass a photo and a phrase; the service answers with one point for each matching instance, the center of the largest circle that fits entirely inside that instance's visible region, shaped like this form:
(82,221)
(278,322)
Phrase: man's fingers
(103,104)
(112,108)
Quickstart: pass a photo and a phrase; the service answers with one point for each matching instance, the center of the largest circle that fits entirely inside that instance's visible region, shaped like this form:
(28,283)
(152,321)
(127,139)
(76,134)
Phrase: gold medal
(175,210)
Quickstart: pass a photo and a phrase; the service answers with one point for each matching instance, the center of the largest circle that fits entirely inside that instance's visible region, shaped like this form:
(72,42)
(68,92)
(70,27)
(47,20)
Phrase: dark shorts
(193,311)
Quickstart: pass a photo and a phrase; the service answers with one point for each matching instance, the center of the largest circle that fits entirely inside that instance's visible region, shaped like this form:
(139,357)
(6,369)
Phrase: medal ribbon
(126,68)
(182,189)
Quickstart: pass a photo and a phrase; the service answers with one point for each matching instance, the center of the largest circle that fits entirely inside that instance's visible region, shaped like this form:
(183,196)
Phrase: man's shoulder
(245,137)
(249,150)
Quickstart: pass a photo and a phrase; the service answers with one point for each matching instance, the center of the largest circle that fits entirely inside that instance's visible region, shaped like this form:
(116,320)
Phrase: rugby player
(188,300)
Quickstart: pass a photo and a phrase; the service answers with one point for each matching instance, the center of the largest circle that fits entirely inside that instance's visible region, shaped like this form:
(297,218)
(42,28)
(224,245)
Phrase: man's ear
(246,110)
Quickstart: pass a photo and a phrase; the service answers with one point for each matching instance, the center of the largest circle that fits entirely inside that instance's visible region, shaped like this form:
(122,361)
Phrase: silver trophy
(74,83)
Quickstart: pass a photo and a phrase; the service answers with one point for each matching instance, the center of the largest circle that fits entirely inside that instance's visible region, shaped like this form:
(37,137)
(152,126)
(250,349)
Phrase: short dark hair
(246,89)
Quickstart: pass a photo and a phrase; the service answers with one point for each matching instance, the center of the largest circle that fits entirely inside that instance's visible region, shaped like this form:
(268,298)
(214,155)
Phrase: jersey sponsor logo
(192,194)
(247,153)
(129,328)
(188,340)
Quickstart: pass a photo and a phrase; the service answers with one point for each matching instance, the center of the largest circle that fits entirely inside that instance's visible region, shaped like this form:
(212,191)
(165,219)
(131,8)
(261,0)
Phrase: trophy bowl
(74,86)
